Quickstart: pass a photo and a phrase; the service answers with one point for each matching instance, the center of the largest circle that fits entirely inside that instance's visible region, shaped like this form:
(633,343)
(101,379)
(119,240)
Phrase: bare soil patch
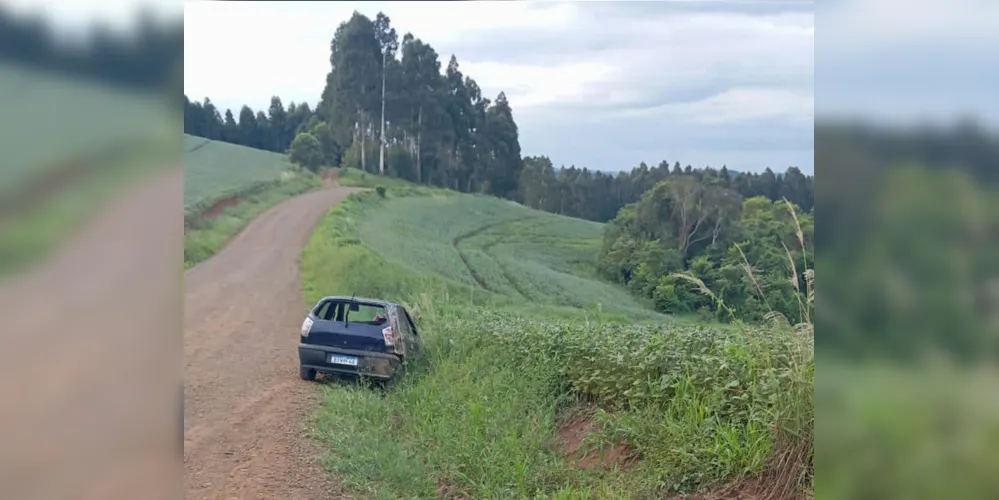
(219,206)
(573,433)
(329,176)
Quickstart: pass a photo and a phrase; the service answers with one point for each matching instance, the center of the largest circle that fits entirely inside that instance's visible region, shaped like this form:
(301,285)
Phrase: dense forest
(388,108)
(695,246)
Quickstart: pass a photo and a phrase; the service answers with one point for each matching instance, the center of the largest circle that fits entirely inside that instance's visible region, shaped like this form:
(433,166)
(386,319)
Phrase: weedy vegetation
(522,341)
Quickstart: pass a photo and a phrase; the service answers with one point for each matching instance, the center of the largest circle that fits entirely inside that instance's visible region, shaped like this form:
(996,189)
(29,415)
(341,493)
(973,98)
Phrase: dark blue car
(357,337)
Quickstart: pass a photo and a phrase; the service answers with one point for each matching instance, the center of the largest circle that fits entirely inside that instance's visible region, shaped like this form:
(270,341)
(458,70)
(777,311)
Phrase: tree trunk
(381,144)
(360,130)
(419,131)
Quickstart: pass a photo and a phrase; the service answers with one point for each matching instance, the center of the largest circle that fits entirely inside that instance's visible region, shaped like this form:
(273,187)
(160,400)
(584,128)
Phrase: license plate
(337,359)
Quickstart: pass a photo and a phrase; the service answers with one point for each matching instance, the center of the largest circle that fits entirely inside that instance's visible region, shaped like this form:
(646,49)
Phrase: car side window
(325,310)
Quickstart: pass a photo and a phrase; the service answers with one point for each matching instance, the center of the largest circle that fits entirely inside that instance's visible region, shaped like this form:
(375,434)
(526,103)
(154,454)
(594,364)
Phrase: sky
(609,84)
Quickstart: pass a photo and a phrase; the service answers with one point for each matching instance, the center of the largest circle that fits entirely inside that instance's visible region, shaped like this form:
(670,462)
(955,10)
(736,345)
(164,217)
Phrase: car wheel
(306,373)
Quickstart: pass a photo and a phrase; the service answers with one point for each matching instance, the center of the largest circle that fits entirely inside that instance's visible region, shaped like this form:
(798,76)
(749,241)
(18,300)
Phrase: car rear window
(366,313)
(337,310)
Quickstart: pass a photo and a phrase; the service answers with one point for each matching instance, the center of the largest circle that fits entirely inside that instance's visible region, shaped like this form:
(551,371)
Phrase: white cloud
(250,51)
(897,61)
(736,105)
(445,23)
(869,24)
(529,85)
(245,52)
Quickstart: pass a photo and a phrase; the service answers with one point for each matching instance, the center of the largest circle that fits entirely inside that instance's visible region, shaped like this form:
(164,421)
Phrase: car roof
(359,299)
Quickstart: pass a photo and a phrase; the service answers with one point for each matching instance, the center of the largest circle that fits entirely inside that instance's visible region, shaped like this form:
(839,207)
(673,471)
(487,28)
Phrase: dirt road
(244,403)
(90,356)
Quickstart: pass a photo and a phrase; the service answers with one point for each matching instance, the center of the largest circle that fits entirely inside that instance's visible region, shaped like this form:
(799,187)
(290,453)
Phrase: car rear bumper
(377,365)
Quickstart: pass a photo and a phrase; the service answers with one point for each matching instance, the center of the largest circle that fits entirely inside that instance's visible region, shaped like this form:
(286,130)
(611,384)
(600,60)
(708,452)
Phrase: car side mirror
(355,307)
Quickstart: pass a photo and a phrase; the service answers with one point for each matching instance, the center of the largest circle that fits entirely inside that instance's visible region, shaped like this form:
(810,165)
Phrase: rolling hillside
(496,246)
(214,170)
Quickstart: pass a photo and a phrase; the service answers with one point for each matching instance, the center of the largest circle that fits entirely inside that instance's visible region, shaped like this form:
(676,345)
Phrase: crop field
(214,170)
(540,380)
(496,246)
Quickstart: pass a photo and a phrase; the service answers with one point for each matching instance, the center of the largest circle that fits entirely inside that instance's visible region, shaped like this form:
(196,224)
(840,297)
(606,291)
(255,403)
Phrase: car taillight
(387,335)
(306,326)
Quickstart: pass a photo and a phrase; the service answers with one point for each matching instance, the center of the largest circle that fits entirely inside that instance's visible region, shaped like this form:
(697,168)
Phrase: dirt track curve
(244,403)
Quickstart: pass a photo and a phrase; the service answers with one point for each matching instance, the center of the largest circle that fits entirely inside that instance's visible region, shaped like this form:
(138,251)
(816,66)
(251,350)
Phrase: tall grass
(789,465)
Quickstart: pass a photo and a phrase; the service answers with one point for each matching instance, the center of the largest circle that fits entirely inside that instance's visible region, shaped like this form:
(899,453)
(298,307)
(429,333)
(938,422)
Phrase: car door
(413,334)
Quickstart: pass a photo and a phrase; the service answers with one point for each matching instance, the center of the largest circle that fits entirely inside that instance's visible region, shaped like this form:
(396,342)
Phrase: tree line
(598,196)
(388,108)
(151,58)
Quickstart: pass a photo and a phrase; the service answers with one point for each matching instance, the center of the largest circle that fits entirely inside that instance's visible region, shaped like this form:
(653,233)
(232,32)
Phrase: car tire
(387,385)
(306,373)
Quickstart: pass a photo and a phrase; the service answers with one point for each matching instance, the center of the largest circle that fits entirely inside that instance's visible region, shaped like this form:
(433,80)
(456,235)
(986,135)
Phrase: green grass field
(215,171)
(496,246)
(525,348)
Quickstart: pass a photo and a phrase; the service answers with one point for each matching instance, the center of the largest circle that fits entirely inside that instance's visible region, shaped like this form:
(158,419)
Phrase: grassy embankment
(533,363)
(226,186)
(60,168)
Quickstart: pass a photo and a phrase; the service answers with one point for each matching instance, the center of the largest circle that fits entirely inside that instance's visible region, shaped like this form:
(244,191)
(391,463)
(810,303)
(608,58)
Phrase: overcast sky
(901,61)
(604,85)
